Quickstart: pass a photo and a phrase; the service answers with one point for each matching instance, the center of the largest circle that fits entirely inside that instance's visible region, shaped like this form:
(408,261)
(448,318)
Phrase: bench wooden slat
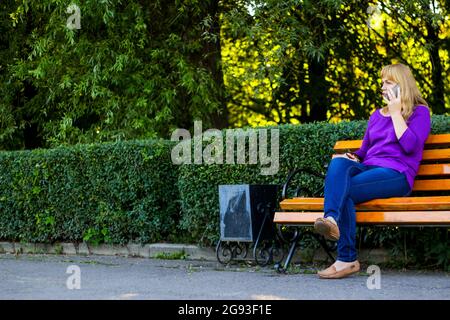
(436,155)
(431,185)
(428,155)
(436,140)
(371,217)
(434,169)
(389,204)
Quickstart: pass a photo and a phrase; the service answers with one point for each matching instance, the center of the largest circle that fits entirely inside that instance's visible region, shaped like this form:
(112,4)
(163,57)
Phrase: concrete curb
(165,251)
(155,250)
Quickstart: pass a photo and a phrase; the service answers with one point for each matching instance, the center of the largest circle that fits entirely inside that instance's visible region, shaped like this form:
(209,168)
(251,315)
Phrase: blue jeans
(348,183)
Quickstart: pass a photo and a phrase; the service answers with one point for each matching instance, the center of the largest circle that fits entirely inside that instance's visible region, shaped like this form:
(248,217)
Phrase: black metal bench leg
(293,246)
(266,211)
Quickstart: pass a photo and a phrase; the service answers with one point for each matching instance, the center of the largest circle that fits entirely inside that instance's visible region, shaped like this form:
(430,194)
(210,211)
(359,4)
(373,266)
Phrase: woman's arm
(399,123)
(411,135)
(361,152)
(414,134)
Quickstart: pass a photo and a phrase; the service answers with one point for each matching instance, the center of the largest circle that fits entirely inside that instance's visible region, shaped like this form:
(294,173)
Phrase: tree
(136,69)
(301,61)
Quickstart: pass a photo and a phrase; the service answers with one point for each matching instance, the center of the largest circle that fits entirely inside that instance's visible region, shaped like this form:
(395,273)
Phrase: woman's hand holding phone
(394,99)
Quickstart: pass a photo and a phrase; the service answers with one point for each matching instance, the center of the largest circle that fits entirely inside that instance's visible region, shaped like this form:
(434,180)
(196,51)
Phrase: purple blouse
(380,146)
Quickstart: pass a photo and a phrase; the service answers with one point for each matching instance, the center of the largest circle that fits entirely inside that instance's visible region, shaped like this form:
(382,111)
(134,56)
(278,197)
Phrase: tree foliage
(299,61)
(135,69)
(139,69)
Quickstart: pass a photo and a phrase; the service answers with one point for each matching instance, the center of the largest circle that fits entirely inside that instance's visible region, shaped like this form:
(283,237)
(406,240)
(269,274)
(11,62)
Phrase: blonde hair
(410,94)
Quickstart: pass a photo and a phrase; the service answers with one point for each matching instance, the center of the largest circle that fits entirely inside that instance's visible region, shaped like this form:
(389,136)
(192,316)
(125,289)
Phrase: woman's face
(386,85)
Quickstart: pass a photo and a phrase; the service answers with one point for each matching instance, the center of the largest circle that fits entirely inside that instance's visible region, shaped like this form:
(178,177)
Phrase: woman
(385,166)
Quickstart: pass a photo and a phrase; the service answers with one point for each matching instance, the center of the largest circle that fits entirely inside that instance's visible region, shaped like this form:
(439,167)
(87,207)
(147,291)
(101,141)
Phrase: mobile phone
(396,90)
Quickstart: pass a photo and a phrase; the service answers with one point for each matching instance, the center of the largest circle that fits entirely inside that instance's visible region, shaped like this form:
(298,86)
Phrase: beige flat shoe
(327,229)
(332,273)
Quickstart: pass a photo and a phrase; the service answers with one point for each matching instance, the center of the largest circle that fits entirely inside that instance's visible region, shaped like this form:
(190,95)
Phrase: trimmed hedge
(112,192)
(308,145)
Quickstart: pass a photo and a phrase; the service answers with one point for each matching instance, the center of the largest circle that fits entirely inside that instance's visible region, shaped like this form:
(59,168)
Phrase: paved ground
(45,277)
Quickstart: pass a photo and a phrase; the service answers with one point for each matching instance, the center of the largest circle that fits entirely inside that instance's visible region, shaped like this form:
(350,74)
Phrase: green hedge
(308,145)
(112,192)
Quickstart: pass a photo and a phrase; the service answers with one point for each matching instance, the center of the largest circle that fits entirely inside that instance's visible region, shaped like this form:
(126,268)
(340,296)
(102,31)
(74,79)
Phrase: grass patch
(177,255)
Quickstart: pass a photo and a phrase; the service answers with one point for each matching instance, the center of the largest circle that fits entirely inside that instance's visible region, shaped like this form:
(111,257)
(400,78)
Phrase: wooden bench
(432,208)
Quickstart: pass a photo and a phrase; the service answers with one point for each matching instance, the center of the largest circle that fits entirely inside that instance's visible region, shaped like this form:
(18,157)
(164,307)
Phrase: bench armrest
(291,175)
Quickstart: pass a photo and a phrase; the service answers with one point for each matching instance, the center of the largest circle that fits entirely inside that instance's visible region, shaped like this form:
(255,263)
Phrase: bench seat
(404,210)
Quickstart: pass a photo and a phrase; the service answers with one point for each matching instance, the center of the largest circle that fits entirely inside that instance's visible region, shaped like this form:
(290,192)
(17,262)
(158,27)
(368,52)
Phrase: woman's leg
(378,183)
(337,185)
(373,183)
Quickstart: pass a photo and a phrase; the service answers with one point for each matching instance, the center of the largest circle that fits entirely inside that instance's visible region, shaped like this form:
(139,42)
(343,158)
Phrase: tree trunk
(220,118)
(436,99)
(318,93)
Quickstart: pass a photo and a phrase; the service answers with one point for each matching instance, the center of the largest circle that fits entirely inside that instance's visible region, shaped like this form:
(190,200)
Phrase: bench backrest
(434,170)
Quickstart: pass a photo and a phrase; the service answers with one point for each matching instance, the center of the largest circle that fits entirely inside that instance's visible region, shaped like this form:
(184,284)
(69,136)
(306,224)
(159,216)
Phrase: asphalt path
(50,277)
